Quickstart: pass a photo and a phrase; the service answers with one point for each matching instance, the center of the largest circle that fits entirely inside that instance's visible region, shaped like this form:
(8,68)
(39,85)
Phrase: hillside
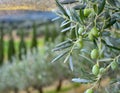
(27,4)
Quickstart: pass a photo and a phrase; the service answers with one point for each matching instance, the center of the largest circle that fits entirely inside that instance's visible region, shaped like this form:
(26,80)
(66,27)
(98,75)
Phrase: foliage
(34,37)
(97,32)
(35,67)
(1,46)
(22,46)
(11,48)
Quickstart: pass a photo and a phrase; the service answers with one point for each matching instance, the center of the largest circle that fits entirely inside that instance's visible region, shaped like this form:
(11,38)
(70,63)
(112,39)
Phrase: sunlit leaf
(59,56)
(71,63)
(79,80)
(101,6)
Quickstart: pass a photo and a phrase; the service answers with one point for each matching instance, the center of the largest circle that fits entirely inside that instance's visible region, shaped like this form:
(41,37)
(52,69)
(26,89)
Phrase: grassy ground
(68,87)
(16,43)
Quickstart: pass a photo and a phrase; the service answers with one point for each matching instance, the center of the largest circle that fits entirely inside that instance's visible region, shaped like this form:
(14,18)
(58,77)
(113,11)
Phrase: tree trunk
(40,89)
(15,90)
(59,86)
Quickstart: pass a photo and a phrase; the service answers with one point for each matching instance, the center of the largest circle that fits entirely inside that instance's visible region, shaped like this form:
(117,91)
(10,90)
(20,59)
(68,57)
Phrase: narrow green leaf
(79,80)
(68,28)
(54,19)
(76,16)
(105,59)
(61,7)
(101,6)
(66,59)
(116,48)
(63,43)
(59,56)
(62,47)
(95,7)
(81,15)
(110,23)
(112,2)
(71,63)
(78,7)
(64,24)
(87,58)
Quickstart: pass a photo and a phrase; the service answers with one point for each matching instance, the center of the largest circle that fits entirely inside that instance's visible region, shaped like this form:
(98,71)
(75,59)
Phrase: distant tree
(1,46)
(47,33)
(11,47)
(34,37)
(22,46)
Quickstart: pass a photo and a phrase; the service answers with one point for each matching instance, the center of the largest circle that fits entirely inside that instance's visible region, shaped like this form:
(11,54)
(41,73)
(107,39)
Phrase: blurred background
(27,36)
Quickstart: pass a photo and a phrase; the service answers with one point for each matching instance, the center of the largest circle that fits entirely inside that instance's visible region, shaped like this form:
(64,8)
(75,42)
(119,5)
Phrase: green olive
(102,70)
(95,70)
(114,65)
(87,12)
(94,54)
(81,44)
(89,91)
(90,36)
(95,31)
(80,30)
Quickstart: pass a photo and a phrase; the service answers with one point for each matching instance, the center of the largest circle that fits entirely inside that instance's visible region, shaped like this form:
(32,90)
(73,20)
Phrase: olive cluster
(95,54)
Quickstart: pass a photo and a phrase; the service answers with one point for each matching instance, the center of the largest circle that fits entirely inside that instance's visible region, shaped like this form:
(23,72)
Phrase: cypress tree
(11,48)
(47,36)
(1,46)
(54,33)
(22,46)
(34,38)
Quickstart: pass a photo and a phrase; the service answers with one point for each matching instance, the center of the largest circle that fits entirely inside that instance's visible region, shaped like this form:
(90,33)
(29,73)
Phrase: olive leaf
(79,7)
(61,7)
(62,47)
(68,28)
(110,23)
(79,80)
(112,2)
(59,56)
(71,63)
(63,43)
(81,15)
(101,6)
(95,7)
(105,59)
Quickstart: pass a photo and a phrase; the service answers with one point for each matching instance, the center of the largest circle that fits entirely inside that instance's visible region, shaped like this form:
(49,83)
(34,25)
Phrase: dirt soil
(67,84)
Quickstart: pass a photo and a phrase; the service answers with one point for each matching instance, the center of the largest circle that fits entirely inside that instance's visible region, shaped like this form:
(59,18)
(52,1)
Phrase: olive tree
(34,70)
(95,25)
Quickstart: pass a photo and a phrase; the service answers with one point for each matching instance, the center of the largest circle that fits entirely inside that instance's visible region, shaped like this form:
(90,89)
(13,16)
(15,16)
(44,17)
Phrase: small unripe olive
(80,30)
(95,70)
(95,31)
(94,54)
(114,65)
(81,44)
(90,36)
(89,91)
(87,12)
(102,70)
